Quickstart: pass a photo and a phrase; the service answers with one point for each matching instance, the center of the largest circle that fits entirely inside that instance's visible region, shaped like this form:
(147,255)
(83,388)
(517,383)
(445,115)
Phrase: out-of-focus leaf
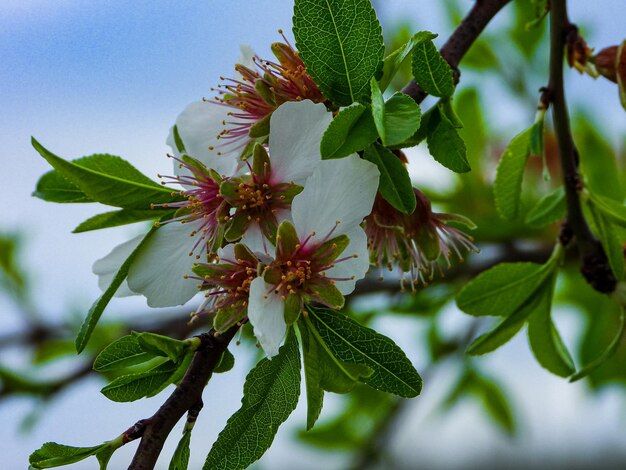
(506,330)
(501,290)
(606,354)
(548,209)
(597,159)
(507,187)
(544,338)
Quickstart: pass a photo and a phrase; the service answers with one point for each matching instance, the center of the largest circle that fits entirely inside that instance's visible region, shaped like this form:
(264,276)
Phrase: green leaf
(270,394)
(351,342)
(180,459)
(507,187)
(110,180)
(544,338)
(598,162)
(495,403)
(431,71)
(52,454)
(132,387)
(395,184)
(608,352)
(160,345)
(53,187)
(506,330)
(613,210)
(117,218)
(353,129)
(121,353)
(323,371)
(394,60)
(96,310)
(402,118)
(548,209)
(444,142)
(611,242)
(502,289)
(378,108)
(341,43)
(227,362)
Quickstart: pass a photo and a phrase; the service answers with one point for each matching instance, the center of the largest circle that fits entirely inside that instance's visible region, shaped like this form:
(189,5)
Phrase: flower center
(203,205)
(254,197)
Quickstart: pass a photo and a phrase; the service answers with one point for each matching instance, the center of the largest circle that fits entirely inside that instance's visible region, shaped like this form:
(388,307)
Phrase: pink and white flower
(321,255)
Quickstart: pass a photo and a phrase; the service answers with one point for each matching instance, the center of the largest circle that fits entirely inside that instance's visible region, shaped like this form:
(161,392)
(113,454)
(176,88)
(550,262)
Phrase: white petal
(198,126)
(266,313)
(352,267)
(245,57)
(106,268)
(254,239)
(160,265)
(296,130)
(338,190)
(227,252)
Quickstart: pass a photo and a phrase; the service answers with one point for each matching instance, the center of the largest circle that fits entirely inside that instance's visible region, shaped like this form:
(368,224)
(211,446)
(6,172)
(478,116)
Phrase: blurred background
(111,77)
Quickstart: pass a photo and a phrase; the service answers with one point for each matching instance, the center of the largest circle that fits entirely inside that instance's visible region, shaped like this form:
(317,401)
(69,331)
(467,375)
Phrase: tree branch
(594,263)
(187,396)
(461,40)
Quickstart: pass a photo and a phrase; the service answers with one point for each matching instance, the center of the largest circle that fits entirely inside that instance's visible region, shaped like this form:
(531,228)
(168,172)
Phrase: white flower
(262,199)
(322,255)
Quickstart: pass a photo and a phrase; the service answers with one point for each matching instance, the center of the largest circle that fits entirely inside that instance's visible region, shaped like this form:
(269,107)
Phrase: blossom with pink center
(211,208)
(262,199)
(226,283)
(261,87)
(321,255)
(416,243)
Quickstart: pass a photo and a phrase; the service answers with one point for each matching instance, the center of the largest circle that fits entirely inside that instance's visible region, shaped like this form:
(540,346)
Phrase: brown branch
(186,397)
(461,40)
(594,263)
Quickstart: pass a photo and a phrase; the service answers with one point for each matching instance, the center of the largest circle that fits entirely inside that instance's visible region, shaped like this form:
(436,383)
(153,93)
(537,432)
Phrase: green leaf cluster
(522,293)
(167,360)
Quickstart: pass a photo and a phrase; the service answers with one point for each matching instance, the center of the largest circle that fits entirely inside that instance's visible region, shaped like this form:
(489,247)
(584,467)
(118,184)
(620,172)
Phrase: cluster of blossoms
(265,225)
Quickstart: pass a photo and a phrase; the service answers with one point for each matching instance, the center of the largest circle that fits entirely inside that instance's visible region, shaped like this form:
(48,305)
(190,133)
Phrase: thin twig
(187,396)
(594,263)
(461,40)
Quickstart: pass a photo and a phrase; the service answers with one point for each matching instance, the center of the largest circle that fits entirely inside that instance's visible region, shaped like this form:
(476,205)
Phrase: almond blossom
(321,255)
(220,199)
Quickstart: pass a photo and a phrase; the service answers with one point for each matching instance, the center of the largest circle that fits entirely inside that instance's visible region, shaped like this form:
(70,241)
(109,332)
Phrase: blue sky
(111,76)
